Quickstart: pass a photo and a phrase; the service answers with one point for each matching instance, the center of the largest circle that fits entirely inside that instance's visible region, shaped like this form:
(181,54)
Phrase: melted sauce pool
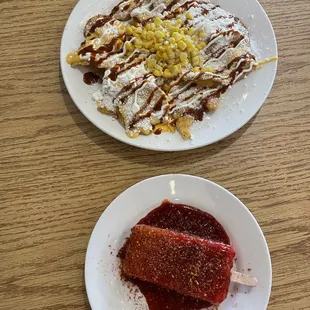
(91,78)
(184,219)
(158,131)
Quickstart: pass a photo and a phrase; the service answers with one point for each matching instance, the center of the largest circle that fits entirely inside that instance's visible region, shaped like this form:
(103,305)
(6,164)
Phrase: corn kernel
(138,30)
(129,47)
(150,36)
(177,69)
(174,29)
(191,31)
(183,57)
(138,43)
(157,73)
(190,46)
(165,23)
(165,56)
(147,44)
(189,16)
(159,47)
(167,74)
(196,69)
(153,50)
(170,62)
(129,31)
(166,87)
(179,22)
(201,45)
(151,63)
(177,54)
(176,36)
(157,21)
(171,55)
(195,52)
(184,63)
(182,46)
(172,40)
(196,61)
(144,34)
(168,49)
(174,69)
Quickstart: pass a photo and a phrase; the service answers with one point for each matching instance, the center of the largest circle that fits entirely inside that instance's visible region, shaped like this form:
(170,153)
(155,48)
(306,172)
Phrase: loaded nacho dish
(164,64)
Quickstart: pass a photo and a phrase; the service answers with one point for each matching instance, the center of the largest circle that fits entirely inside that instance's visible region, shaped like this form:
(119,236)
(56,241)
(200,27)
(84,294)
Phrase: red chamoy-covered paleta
(190,265)
(181,259)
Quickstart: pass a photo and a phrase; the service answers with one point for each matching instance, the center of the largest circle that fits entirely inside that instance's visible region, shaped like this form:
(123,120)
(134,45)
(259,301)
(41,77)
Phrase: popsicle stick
(244,279)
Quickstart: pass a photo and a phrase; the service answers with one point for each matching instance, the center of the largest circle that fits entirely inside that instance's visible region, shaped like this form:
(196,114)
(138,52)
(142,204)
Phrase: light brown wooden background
(58,172)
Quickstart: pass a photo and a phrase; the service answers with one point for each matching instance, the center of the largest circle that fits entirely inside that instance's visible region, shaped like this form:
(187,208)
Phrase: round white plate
(237,107)
(105,289)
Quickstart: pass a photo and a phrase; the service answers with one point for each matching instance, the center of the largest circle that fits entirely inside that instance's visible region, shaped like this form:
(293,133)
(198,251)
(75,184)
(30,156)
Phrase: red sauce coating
(159,298)
(158,131)
(184,219)
(100,22)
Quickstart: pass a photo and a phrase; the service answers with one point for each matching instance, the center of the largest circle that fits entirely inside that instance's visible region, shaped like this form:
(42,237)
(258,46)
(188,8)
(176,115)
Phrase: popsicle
(190,265)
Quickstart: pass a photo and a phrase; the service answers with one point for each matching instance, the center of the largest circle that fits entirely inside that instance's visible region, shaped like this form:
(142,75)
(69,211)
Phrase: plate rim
(185,147)
(189,177)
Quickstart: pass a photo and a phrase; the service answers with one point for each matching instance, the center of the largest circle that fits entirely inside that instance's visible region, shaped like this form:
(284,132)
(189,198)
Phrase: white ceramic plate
(237,107)
(105,289)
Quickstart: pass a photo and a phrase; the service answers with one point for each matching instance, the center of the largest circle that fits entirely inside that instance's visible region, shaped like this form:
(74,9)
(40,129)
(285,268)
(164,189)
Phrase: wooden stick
(244,279)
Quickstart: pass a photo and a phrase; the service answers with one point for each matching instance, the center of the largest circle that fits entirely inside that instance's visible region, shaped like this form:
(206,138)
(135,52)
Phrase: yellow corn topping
(172,45)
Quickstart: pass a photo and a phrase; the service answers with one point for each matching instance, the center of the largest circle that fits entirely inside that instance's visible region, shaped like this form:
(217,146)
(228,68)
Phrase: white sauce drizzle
(194,100)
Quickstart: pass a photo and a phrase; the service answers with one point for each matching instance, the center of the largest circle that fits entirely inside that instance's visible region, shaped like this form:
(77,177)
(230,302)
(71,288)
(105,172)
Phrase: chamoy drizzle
(91,78)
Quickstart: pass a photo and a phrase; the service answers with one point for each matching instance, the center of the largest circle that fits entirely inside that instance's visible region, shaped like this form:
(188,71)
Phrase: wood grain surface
(58,172)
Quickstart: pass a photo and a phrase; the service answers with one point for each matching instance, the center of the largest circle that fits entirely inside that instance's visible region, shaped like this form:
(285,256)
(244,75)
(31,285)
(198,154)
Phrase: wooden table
(58,172)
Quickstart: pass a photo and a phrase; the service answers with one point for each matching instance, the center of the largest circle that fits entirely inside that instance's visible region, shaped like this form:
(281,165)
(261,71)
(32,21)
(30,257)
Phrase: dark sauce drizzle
(158,131)
(91,78)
